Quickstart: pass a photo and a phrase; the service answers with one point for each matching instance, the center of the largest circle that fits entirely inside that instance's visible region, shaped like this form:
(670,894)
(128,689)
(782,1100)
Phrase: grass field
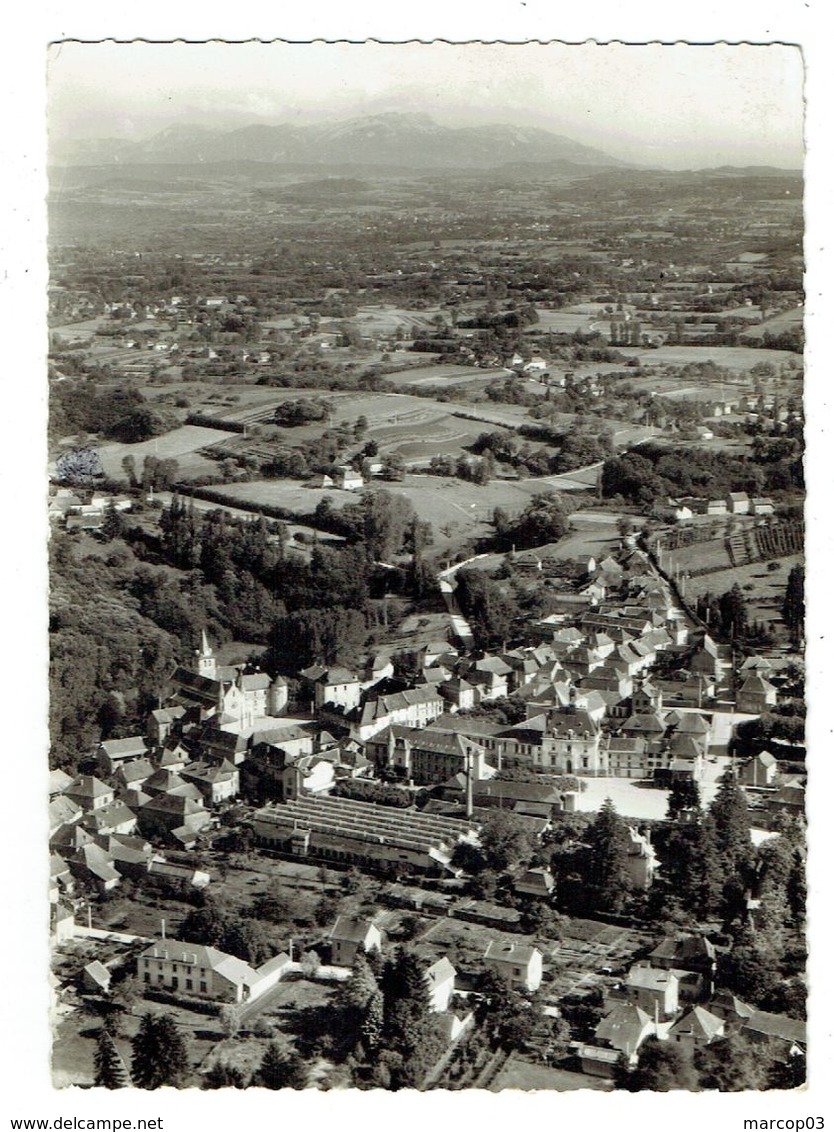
(525,1075)
(441,376)
(764,598)
(79,331)
(74,1042)
(787,320)
(594,533)
(738,358)
(181,444)
(458,511)
(386,320)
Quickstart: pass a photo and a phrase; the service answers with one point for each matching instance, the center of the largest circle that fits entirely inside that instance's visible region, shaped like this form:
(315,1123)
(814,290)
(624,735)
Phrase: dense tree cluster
(301,411)
(119,414)
(241,935)
(486,605)
(543,520)
(658,471)
(111,657)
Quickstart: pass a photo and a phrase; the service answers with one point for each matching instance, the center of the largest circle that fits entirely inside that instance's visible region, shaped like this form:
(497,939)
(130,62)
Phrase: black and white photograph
(425,512)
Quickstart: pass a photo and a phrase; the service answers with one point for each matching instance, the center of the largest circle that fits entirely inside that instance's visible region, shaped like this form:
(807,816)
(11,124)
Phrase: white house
(440,978)
(196,971)
(518,963)
(348,935)
(348,479)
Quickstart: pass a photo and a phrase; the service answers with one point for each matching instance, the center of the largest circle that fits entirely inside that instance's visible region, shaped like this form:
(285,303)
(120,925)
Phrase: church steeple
(206,660)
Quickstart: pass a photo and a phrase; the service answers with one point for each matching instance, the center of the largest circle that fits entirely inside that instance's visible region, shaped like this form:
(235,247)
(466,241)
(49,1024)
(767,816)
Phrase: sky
(675,105)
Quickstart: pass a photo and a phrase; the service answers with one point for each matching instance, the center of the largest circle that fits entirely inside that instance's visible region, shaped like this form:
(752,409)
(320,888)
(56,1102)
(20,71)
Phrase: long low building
(341,829)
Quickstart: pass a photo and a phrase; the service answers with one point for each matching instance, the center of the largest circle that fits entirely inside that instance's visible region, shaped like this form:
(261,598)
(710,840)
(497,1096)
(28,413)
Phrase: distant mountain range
(408,141)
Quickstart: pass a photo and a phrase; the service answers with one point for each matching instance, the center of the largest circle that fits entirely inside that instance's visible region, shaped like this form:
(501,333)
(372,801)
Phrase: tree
(538,918)
(543,520)
(730,817)
(486,607)
(282,1069)
(326,910)
(129,468)
(408,1022)
(229,1020)
(113,524)
(731,1065)
(733,611)
(749,970)
(373,1022)
(662,1067)
(788,1074)
(360,986)
(310,963)
(684,796)
(504,840)
(793,606)
(608,875)
(159,1054)
(223,1076)
(516,1022)
(110,1069)
(329,636)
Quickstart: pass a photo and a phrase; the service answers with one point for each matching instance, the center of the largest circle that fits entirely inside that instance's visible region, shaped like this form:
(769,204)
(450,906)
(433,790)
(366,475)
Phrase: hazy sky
(678,106)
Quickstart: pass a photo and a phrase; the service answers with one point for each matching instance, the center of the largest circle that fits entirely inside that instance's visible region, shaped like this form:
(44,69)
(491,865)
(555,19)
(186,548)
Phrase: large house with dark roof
(89,792)
(192,970)
(114,753)
(696,1028)
(426,755)
(413,707)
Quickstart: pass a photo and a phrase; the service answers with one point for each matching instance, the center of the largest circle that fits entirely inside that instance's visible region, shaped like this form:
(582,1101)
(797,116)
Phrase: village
(383,813)
(427,616)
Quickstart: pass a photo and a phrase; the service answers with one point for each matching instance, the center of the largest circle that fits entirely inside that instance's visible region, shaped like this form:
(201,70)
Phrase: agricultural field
(441,376)
(738,358)
(787,320)
(181,444)
(699,555)
(564,321)
(647,380)
(763,589)
(587,954)
(290,494)
(387,320)
(466,941)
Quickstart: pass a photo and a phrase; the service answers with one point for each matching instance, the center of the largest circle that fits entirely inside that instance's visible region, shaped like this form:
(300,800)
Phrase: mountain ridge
(411,140)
